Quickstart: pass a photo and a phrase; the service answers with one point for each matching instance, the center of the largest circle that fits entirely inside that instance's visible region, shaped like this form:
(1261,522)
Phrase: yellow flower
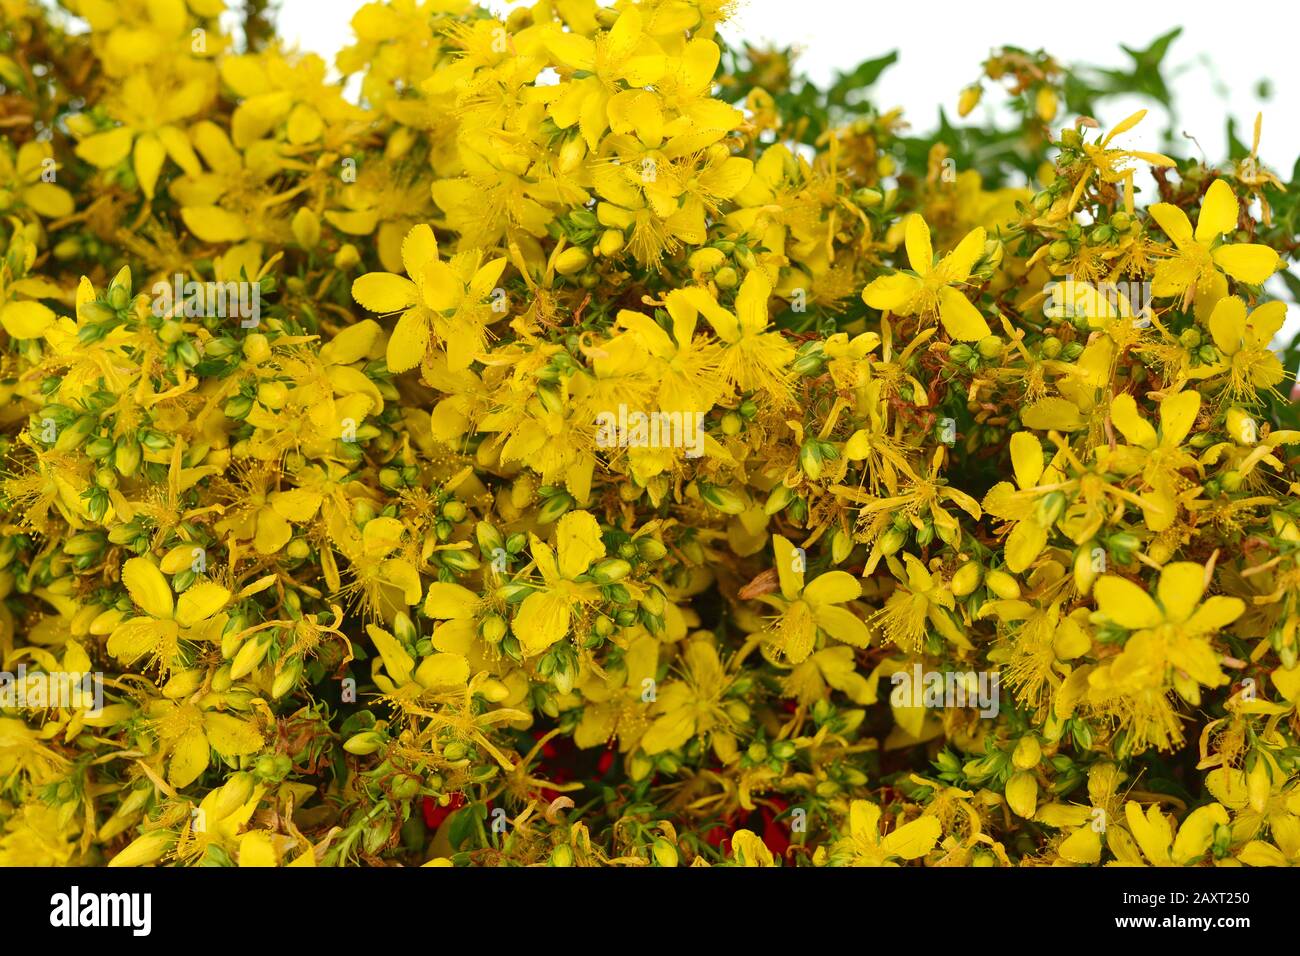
(384,292)
(616,703)
(1112,165)
(922,499)
(748,849)
(1169,648)
(695,705)
(1087,823)
(928,290)
(151,114)
(464,296)
(442,301)
(1160,457)
(624,54)
(865,846)
(189,731)
(1159,844)
(383,575)
(806,611)
(291,90)
(405,680)
(23,175)
(166,623)
(1197,265)
(752,358)
(220,816)
(1243,344)
(1028,537)
(685,365)
(919,597)
(234,198)
(267,517)
(545,616)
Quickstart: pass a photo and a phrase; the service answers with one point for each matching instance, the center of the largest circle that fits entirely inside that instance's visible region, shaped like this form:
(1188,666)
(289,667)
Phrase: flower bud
(1049,508)
(990,347)
(250,655)
(891,541)
(561,856)
(364,743)
(145,849)
(723,499)
(611,242)
(1027,754)
(1003,585)
(665,853)
(966,579)
(1241,427)
(127,457)
(1022,794)
(572,261)
(257,348)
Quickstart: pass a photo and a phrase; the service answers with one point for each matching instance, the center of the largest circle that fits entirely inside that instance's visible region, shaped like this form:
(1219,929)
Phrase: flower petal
(1180,588)
(1217,612)
(913,840)
(397,660)
(1126,604)
(199,602)
(1151,831)
(106,149)
(190,758)
(1026,459)
(833,587)
(1219,210)
(1174,222)
(958,263)
(446,601)
(26,320)
(578,543)
(147,587)
(1197,830)
(383,292)
(1177,415)
(1247,262)
(890,293)
(960,318)
(920,253)
(148,161)
(409,341)
(842,624)
(1228,324)
(542,620)
(1135,429)
(789,566)
(231,736)
(1264,323)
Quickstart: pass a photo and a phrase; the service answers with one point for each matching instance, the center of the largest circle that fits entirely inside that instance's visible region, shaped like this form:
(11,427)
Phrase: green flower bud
(610,570)
(364,743)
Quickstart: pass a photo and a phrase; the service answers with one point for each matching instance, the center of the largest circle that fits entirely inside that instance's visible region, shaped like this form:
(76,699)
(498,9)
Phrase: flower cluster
(592,444)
